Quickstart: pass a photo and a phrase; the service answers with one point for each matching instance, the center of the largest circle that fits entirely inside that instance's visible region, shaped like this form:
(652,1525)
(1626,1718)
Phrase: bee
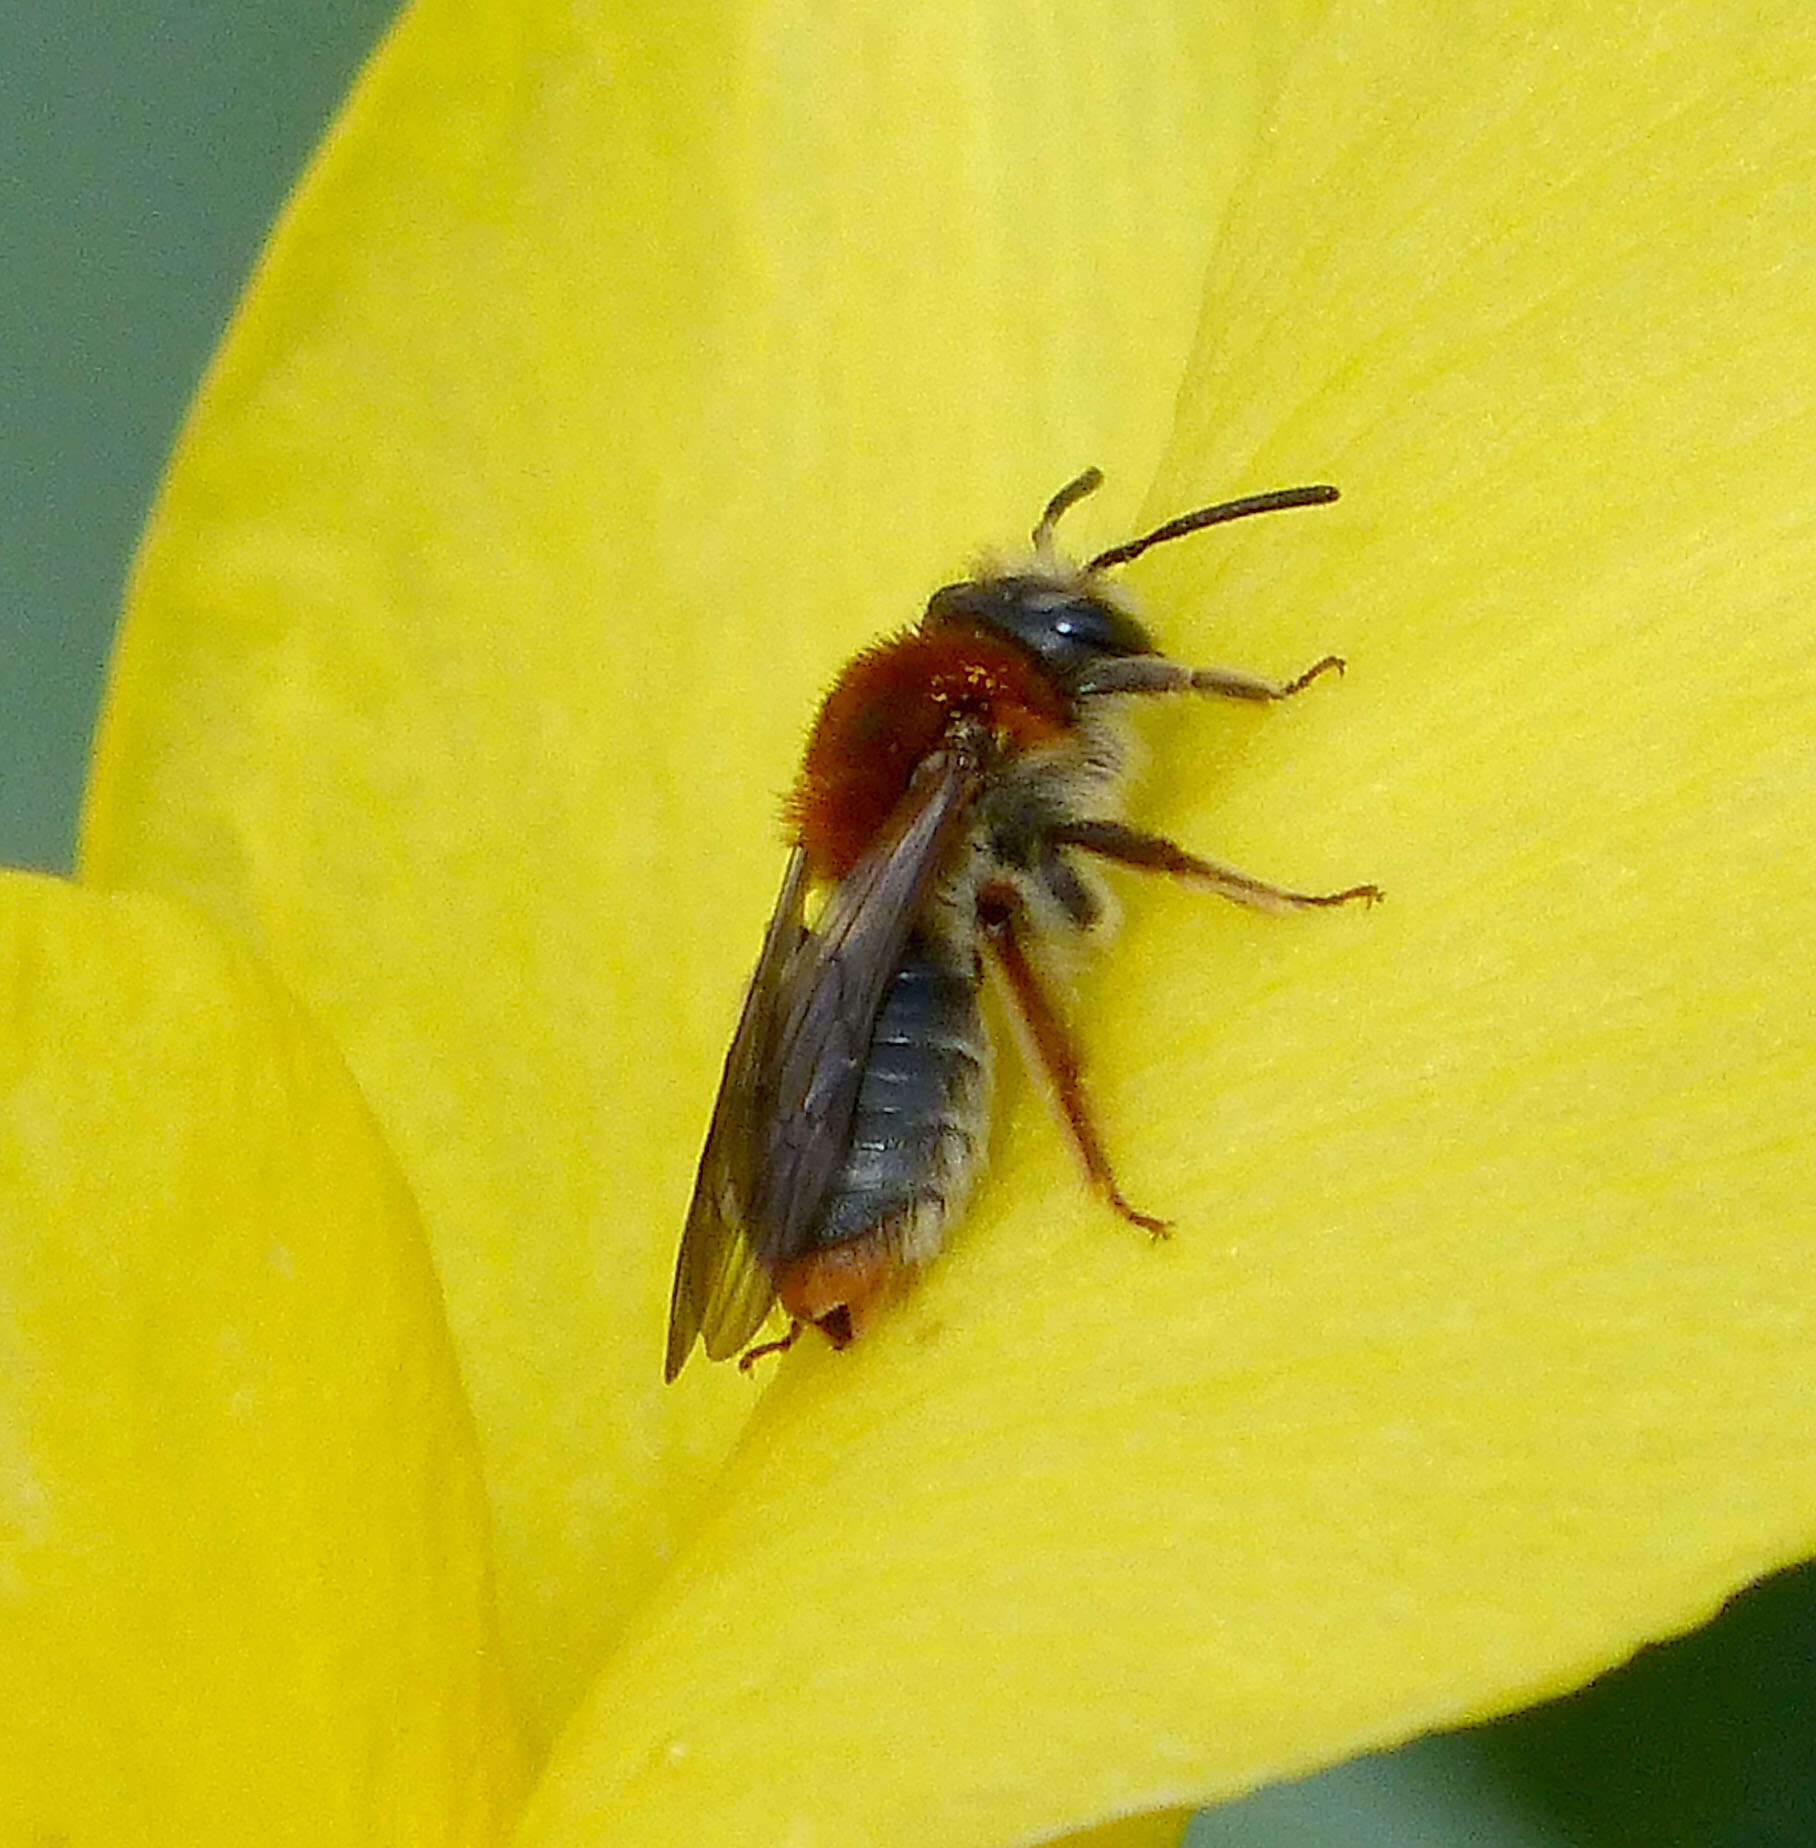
(957,777)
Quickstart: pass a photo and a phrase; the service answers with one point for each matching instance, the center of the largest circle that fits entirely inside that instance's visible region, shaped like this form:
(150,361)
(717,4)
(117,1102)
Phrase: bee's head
(1062,622)
(1066,615)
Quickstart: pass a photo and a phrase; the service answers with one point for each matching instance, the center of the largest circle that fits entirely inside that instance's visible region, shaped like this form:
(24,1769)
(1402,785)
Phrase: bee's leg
(751,1356)
(1156,674)
(1234,683)
(999,914)
(1153,853)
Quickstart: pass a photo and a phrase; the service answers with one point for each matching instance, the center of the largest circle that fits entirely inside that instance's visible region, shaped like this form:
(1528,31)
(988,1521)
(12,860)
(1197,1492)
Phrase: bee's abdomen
(922,1109)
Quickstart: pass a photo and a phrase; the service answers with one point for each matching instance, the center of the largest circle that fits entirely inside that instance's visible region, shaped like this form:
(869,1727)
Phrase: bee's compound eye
(1066,629)
(951,603)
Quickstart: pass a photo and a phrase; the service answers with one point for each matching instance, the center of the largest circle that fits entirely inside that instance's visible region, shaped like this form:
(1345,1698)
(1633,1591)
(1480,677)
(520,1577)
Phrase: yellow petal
(244,1565)
(1481,1351)
(1485,1346)
(564,445)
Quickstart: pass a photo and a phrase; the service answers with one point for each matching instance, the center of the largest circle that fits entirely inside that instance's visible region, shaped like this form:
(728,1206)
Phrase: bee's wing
(833,989)
(783,1119)
(721,1292)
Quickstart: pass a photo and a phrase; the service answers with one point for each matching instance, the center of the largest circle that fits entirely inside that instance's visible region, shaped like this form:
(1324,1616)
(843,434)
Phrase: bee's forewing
(783,1118)
(832,991)
(721,1292)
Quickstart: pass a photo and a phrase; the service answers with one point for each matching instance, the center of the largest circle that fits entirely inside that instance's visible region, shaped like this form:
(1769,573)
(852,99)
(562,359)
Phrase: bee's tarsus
(751,1356)
(1156,1229)
(1331,664)
(1238,683)
(1369,895)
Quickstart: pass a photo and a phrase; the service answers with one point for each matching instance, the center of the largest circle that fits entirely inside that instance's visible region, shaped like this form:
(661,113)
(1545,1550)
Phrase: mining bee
(956,778)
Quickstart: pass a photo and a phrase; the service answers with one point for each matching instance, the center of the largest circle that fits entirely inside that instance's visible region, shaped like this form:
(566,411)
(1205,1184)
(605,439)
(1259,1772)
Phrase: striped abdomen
(922,1108)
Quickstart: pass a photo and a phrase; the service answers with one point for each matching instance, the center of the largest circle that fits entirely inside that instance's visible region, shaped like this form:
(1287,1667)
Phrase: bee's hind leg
(752,1355)
(1000,913)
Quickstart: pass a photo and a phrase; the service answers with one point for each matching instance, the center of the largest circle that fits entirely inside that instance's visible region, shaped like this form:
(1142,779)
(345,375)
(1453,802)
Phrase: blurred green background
(147,150)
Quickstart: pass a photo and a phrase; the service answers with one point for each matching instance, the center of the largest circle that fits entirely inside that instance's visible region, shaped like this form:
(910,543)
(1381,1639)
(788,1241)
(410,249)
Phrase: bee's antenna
(1068,496)
(1186,522)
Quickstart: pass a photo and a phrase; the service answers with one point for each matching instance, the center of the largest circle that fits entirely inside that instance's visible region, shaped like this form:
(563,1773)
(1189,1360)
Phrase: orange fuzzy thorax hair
(889,709)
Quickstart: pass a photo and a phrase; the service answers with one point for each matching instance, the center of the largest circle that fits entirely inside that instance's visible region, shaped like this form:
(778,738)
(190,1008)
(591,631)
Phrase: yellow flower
(245,1573)
(607,383)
